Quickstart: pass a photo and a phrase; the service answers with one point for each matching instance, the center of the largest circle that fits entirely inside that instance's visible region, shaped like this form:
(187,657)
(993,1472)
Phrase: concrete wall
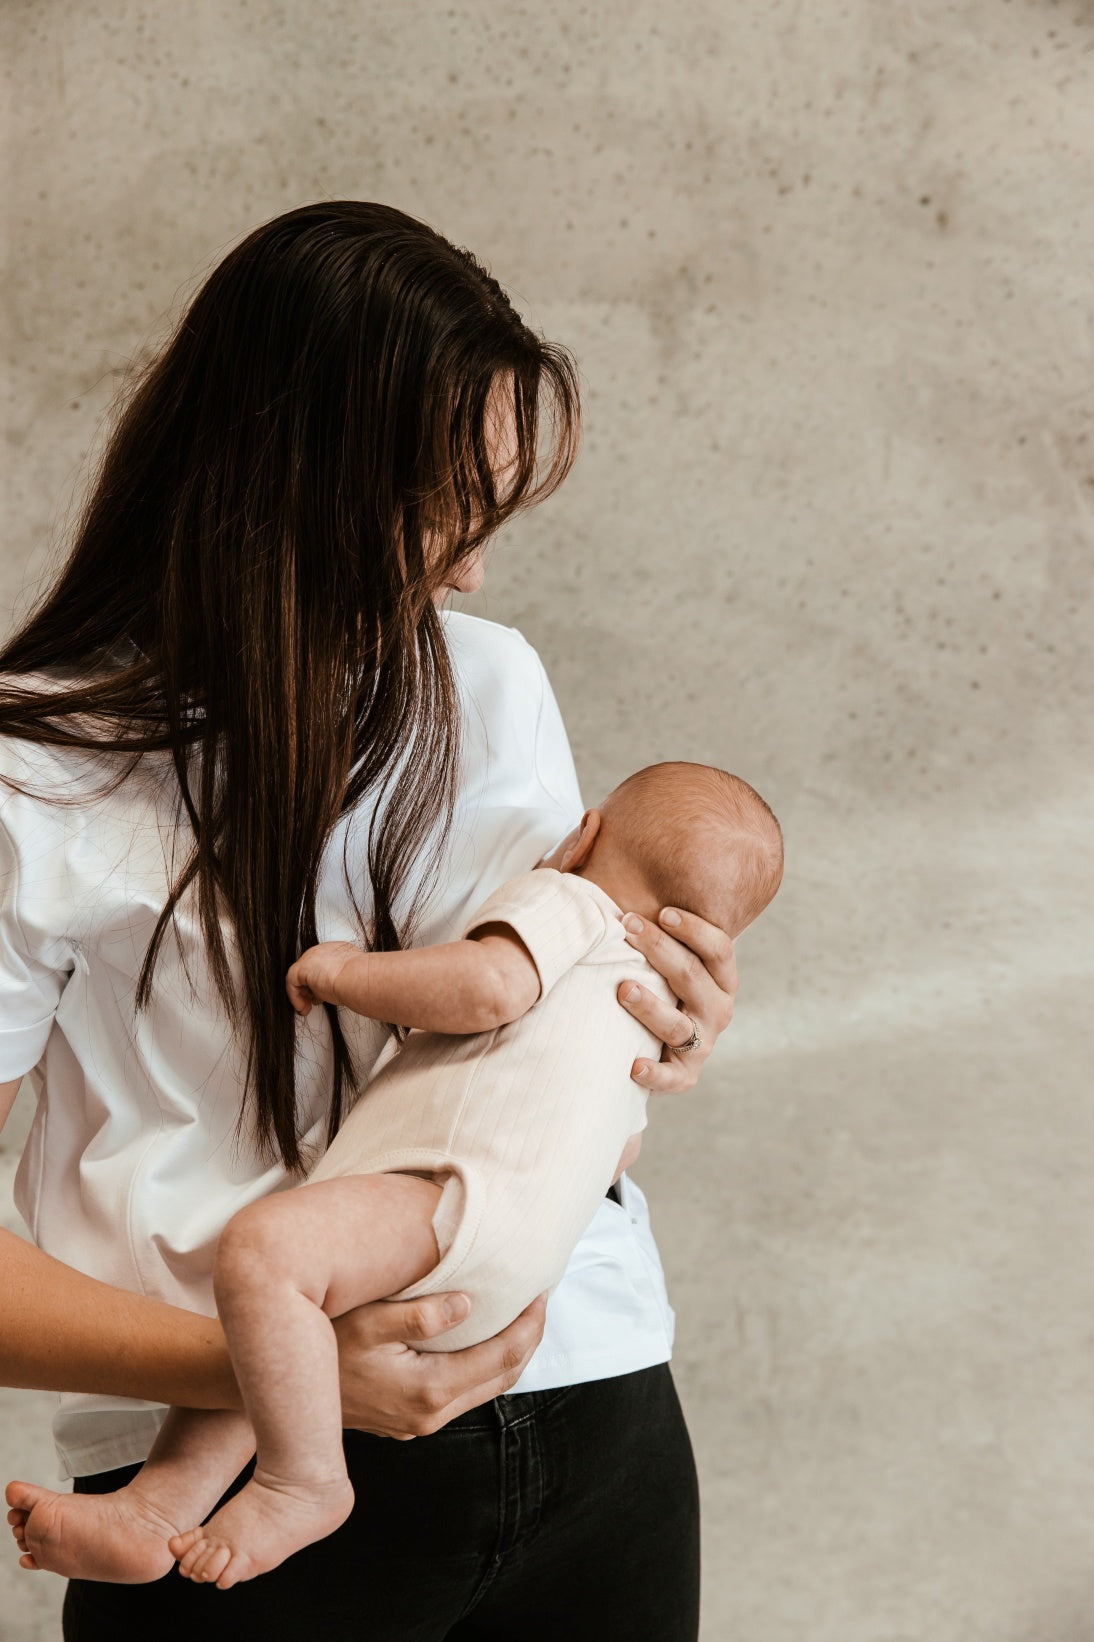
(827,272)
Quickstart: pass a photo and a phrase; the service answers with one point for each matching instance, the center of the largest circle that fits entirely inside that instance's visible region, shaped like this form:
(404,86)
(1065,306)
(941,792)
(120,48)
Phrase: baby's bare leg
(285,1267)
(123,1536)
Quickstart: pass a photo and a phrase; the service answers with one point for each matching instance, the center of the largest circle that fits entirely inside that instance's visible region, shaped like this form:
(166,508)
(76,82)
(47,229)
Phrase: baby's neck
(627,888)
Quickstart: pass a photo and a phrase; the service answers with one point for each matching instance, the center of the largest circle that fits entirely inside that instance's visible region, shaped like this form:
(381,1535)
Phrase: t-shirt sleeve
(554,760)
(555,917)
(32,974)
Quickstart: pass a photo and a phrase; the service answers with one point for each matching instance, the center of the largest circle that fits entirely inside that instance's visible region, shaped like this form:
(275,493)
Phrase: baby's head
(682,835)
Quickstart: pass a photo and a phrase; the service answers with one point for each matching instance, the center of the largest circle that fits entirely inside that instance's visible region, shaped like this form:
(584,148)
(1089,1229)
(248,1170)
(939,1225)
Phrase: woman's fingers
(674,1073)
(402,1322)
(395,1391)
(464,1379)
(709,943)
(668,1076)
(696,958)
(699,964)
(666,1022)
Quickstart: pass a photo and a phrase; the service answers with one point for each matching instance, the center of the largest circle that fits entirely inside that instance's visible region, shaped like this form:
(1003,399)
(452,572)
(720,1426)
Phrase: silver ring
(693,1043)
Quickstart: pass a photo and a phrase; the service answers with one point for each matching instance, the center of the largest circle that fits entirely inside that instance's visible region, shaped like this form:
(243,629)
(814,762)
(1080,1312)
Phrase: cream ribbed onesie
(523,1126)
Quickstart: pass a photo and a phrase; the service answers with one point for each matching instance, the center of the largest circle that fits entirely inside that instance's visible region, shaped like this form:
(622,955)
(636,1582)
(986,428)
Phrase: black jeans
(570,1514)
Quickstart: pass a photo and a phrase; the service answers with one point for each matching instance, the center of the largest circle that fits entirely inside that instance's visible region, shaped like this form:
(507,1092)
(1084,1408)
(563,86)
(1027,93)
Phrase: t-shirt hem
(129,1447)
(550,1373)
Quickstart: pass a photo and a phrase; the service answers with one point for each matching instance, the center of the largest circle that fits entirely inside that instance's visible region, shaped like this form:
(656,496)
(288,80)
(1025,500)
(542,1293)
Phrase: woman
(239,723)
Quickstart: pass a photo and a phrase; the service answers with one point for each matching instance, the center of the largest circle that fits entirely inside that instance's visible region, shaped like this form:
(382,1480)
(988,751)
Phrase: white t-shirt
(136,1158)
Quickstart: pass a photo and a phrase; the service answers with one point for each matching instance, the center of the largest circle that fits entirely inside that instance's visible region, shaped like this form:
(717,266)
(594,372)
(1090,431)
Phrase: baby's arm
(467,986)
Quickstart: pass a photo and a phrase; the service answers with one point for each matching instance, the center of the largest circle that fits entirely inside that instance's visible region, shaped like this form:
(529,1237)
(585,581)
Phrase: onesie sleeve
(32,977)
(555,916)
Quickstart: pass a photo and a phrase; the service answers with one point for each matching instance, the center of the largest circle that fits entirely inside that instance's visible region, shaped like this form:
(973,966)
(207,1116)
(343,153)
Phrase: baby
(474,1159)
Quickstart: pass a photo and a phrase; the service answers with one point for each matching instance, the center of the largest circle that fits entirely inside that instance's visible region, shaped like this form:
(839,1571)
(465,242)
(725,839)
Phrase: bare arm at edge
(63,1331)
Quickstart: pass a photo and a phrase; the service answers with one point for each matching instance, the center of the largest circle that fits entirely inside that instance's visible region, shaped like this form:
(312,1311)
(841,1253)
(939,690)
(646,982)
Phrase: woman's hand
(698,961)
(395,1391)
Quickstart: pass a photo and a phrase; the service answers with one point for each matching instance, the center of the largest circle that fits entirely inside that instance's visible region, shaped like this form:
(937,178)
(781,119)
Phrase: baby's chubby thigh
(505,1237)
(340,1241)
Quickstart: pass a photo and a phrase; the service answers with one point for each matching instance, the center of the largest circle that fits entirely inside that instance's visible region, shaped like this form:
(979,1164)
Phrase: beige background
(827,271)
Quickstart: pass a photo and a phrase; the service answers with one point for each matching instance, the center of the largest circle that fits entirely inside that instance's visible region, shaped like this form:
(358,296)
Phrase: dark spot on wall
(943,219)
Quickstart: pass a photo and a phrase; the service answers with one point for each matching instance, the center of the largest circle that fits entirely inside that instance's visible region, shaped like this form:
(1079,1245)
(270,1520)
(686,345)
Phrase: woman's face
(501,435)
(468,576)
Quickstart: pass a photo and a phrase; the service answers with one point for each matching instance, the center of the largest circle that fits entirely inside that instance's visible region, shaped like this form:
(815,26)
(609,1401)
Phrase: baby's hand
(314,976)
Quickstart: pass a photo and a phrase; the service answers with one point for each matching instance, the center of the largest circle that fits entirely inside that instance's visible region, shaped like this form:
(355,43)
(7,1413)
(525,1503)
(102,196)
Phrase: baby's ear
(576,855)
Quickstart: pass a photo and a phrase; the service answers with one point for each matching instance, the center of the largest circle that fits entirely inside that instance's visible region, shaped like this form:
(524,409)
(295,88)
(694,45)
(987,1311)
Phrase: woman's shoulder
(475,642)
(512,726)
(491,661)
(42,769)
(49,774)
(66,789)
(19,756)
(38,812)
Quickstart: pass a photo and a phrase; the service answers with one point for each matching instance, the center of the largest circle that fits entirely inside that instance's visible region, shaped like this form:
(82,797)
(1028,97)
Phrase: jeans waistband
(502,1413)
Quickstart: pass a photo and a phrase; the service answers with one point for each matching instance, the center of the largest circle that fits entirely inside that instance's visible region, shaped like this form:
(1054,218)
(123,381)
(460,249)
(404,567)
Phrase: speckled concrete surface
(827,272)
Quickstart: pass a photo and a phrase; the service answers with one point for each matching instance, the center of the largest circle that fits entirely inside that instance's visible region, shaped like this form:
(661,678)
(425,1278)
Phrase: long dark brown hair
(253,582)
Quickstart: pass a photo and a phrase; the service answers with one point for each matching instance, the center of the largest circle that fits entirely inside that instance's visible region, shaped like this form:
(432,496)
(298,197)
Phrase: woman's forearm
(63,1331)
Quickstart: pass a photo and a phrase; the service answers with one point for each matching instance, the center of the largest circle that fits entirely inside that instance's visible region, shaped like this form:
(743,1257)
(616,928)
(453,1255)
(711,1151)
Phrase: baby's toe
(181,1545)
(199,1562)
(221,1567)
(190,1557)
(213,1564)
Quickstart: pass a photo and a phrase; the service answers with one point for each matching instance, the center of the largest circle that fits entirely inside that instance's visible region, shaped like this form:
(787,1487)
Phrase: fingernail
(633,924)
(642,1072)
(634,994)
(456,1308)
(670,917)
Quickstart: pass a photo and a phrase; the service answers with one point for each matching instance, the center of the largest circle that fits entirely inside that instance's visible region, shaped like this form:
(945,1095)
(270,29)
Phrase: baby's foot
(119,1537)
(260,1527)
